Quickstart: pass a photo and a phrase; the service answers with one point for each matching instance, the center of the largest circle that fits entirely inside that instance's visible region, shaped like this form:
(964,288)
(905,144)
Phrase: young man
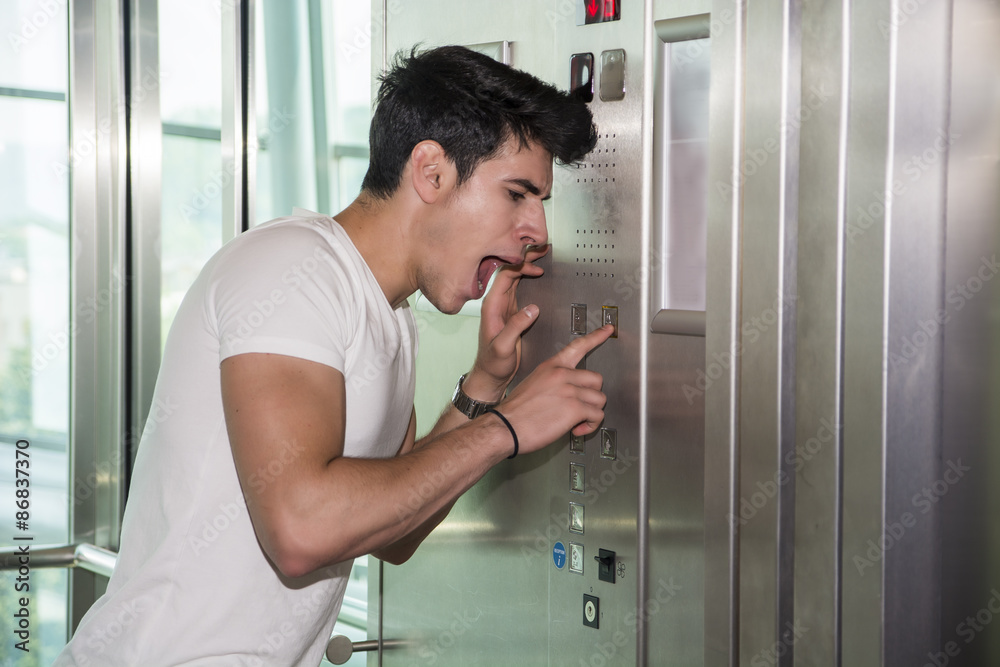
(290,448)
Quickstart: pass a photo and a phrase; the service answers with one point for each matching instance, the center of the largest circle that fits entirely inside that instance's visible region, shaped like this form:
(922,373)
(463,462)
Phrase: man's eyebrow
(529,186)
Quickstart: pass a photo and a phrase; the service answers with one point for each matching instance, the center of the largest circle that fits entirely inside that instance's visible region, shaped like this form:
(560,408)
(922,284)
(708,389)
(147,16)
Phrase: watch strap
(467,405)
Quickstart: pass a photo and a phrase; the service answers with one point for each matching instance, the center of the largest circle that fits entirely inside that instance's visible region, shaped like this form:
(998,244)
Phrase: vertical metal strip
(722,335)
(232,119)
(321,140)
(97,282)
(818,457)
(145,173)
(642,520)
(249,113)
(869,156)
(769,175)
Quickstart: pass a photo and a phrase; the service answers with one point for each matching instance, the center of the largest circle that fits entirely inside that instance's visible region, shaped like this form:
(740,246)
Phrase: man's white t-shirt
(192,585)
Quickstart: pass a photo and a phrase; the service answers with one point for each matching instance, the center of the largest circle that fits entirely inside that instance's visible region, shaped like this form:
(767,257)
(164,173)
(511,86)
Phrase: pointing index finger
(572,354)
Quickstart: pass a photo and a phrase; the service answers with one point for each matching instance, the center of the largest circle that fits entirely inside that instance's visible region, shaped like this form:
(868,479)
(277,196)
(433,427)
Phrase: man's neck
(379,230)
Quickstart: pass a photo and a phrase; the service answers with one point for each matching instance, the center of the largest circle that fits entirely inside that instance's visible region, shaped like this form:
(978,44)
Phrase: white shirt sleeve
(282,290)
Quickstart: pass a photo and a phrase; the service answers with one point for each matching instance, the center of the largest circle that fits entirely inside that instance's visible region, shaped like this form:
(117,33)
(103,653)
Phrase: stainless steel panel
(868,152)
(97,283)
(820,332)
(767,348)
(914,289)
(970,421)
(146,156)
(722,326)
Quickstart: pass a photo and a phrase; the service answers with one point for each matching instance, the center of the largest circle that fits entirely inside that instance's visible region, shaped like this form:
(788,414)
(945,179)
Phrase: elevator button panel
(576,558)
(577,479)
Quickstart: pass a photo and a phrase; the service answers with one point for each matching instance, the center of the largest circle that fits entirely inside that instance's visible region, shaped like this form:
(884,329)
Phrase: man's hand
(501,326)
(558,397)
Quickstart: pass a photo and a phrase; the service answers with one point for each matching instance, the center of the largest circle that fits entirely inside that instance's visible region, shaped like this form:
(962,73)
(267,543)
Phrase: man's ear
(432,173)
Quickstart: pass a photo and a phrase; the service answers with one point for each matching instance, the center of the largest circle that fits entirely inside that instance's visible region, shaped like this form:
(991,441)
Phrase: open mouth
(487,267)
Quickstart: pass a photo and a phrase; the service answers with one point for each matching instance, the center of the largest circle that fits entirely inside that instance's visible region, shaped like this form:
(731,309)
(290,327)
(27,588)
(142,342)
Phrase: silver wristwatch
(467,405)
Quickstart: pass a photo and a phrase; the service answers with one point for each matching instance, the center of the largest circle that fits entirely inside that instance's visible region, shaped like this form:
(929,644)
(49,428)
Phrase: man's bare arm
(326,508)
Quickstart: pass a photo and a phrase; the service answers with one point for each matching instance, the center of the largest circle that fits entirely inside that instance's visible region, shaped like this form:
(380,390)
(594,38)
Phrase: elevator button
(576,558)
(613,75)
(576,518)
(578,320)
(609,315)
(581,76)
(576,477)
(605,565)
(577,444)
(591,611)
(559,555)
(609,443)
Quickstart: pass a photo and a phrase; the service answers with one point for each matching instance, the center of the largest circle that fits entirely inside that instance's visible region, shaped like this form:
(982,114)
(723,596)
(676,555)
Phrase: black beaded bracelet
(509,428)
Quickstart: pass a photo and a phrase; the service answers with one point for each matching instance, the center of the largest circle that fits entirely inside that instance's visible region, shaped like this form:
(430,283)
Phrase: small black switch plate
(605,565)
(581,76)
(591,611)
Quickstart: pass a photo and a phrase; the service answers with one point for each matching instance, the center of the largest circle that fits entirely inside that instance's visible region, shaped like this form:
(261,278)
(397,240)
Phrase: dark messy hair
(471,105)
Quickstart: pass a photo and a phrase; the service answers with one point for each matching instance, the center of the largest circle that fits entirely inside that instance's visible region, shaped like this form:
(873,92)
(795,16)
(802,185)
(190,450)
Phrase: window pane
(34,55)
(191,62)
(34,350)
(192,214)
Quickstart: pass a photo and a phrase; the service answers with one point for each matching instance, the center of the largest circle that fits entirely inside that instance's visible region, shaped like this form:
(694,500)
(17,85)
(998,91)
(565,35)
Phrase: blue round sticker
(559,555)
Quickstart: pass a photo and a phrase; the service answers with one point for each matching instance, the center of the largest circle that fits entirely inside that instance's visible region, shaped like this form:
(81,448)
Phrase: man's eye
(516,195)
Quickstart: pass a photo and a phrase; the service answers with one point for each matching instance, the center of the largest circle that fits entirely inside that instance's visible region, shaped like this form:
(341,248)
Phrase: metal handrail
(102,561)
(84,556)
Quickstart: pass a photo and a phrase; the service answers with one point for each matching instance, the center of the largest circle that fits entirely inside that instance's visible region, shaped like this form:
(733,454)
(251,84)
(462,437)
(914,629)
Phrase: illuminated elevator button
(576,558)
(576,477)
(576,518)
(609,315)
(609,443)
(576,444)
(578,319)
